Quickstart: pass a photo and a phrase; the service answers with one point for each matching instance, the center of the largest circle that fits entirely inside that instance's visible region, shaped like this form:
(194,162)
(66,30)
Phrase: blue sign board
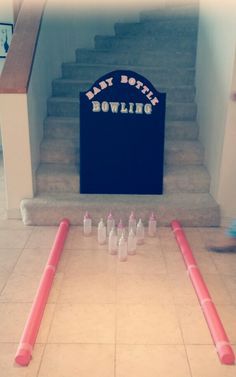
(122,118)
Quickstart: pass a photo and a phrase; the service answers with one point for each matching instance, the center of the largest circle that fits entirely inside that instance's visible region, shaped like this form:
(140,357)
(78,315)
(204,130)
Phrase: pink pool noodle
(30,332)
(219,336)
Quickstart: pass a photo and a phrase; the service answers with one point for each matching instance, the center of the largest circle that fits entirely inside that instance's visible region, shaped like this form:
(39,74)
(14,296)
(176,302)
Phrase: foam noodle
(30,332)
(219,336)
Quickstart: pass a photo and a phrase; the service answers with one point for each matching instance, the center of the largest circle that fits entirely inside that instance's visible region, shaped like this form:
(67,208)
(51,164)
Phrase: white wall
(227,181)
(214,69)
(6,15)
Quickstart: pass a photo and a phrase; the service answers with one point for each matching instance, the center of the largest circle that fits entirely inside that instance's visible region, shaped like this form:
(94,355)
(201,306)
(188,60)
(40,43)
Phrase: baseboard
(226,220)
(14,213)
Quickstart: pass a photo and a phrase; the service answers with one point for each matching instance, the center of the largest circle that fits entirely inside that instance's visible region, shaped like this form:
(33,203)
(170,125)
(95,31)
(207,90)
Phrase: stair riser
(64,130)
(64,89)
(61,131)
(52,215)
(180,28)
(171,157)
(59,156)
(165,78)
(50,184)
(181,158)
(163,59)
(183,112)
(173,111)
(62,184)
(174,15)
(181,133)
(173,184)
(124,44)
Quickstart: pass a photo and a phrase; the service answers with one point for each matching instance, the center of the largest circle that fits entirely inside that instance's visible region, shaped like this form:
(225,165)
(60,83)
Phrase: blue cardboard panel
(122,122)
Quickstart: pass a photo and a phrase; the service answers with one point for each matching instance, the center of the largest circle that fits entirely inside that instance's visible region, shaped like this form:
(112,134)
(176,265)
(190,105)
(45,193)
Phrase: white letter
(96,90)
(154,101)
(114,107)
(138,85)
(89,94)
(132,81)
(124,79)
(131,107)
(145,89)
(96,106)
(103,85)
(105,106)
(148,108)
(149,95)
(123,109)
(139,108)
(109,81)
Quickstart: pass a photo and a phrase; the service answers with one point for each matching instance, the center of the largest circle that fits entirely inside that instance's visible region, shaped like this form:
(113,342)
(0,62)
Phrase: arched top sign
(122,87)
(122,129)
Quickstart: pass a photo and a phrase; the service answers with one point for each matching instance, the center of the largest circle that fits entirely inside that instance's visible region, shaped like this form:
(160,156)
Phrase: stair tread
(173,145)
(53,169)
(78,81)
(63,120)
(178,199)
(57,169)
(71,120)
(181,144)
(185,170)
(58,143)
(127,67)
(77,100)
(144,37)
(105,51)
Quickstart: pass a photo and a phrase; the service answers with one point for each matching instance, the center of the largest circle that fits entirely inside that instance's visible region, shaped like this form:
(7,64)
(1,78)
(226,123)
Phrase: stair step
(69,107)
(163,77)
(72,88)
(186,179)
(181,130)
(189,208)
(64,151)
(183,153)
(67,152)
(68,128)
(179,27)
(172,13)
(57,178)
(175,43)
(160,59)
(61,128)
(65,178)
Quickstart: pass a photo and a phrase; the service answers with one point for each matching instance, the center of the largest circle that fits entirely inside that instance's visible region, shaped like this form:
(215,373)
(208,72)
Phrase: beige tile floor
(106,318)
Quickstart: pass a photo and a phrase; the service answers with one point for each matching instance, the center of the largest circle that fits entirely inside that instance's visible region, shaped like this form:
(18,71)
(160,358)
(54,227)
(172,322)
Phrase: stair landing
(198,209)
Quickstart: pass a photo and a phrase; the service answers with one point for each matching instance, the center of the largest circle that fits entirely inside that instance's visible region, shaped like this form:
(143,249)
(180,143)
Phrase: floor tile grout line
(12,270)
(49,327)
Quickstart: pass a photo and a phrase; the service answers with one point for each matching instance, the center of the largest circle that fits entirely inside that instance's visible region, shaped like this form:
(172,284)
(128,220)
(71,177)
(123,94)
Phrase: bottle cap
(132,215)
(87,215)
(110,217)
(152,216)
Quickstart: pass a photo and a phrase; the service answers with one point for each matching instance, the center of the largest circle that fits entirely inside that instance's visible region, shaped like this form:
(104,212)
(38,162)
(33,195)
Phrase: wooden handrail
(16,8)
(17,69)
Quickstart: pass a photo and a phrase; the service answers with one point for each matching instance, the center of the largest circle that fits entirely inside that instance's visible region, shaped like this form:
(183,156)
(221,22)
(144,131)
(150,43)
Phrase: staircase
(161,47)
